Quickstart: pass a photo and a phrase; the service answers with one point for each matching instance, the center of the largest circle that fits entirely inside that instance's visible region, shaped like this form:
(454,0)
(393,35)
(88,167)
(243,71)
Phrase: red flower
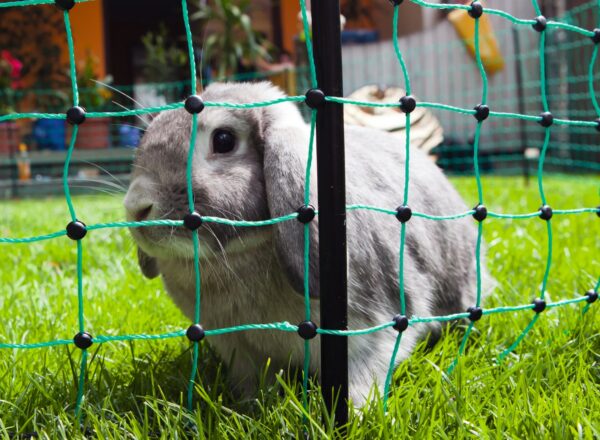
(15,68)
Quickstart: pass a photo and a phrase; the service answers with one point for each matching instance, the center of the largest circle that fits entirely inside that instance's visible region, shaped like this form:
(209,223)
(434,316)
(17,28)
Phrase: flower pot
(92,134)
(49,134)
(129,136)
(9,137)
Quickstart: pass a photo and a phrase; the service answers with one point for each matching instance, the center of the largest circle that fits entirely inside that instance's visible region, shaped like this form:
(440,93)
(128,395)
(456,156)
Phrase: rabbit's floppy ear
(285,139)
(148,264)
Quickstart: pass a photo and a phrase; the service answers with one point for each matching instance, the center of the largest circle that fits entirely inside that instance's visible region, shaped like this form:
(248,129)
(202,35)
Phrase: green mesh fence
(105,151)
(77,230)
(441,71)
(571,148)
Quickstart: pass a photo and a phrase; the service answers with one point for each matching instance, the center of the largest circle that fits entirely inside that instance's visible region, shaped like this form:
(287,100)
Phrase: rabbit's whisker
(122,93)
(224,255)
(97,189)
(146,123)
(119,184)
(130,125)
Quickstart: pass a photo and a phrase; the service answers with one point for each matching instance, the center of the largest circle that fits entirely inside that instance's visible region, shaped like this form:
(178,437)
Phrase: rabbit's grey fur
(254,275)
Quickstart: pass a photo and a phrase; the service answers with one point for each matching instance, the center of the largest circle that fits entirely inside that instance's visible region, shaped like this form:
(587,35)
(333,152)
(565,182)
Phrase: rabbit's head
(248,164)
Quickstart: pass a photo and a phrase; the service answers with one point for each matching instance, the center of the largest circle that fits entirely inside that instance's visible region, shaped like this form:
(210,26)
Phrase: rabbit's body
(255,275)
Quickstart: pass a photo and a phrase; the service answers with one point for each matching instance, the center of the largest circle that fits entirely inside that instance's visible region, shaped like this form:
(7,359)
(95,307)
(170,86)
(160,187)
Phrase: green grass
(548,388)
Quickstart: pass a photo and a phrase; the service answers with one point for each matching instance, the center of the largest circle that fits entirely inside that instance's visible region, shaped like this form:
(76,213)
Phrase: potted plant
(164,61)
(49,134)
(163,65)
(94,97)
(232,45)
(10,77)
(35,40)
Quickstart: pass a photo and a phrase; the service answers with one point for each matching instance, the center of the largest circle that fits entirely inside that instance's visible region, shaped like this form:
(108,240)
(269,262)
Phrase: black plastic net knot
(403,213)
(482,112)
(540,23)
(307,329)
(408,103)
(396,2)
(315,98)
(476,10)
(475,313)
(598,125)
(306,213)
(592,296)
(195,333)
(76,115)
(192,221)
(539,305)
(545,212)
(546,119)
(65,5)
(480,213)
(193,104)
(596,37)
(400,323)
(76,230)
(83,340)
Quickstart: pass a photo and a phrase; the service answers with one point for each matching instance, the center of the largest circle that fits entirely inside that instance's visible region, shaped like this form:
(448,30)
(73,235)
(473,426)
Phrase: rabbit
(250,164)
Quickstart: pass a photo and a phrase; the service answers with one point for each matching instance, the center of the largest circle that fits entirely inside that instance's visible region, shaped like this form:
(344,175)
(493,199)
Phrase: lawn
(549,387)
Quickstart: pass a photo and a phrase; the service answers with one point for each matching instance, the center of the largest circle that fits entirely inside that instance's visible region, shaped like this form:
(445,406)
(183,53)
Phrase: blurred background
(133,54)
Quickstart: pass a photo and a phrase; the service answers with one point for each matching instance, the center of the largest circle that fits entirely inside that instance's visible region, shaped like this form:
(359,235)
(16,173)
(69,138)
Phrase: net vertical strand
(307,311)
(401,287)
(540,178)
(313,119)
(191,206)
(65,178)
(476,142)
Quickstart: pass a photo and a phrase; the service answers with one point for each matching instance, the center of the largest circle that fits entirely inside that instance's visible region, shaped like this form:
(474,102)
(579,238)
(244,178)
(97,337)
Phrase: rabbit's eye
(223,141)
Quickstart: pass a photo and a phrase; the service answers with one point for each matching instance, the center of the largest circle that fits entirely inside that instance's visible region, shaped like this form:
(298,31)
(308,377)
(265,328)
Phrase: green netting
(572,148)
(514,89)
(589,125)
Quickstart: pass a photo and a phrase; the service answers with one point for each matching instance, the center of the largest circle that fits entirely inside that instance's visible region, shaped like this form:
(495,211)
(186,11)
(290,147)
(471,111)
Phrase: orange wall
(88,33)
(289,23)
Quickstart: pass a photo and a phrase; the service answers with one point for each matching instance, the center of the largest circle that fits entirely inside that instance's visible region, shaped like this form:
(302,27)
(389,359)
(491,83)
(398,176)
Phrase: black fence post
(332,207)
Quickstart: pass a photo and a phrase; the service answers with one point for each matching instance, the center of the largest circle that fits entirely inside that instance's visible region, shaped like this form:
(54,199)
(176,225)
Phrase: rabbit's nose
(139,203)
(141,212)
(138,209)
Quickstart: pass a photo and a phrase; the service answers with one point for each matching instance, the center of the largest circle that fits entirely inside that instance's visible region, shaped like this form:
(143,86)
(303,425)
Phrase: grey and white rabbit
(250,164)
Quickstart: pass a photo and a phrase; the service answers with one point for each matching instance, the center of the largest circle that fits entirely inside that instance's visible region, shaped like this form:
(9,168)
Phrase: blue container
(359,36)
(49,134)
(129,136)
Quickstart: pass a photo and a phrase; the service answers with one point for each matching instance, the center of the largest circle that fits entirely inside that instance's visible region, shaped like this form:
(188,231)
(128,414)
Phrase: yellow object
(491,57)
(23,163)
